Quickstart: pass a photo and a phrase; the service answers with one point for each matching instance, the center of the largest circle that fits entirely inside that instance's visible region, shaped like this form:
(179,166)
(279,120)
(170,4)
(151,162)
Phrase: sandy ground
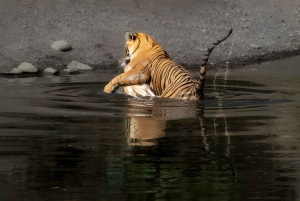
(263,30)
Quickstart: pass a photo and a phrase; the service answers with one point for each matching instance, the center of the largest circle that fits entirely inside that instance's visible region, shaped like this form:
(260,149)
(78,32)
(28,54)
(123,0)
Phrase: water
(61,138)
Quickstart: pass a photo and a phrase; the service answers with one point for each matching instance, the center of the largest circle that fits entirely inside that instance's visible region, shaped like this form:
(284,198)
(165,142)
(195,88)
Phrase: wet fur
(137,91)
(148,66)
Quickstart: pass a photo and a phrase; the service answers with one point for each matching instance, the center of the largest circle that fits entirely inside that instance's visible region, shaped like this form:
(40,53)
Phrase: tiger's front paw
(109,88)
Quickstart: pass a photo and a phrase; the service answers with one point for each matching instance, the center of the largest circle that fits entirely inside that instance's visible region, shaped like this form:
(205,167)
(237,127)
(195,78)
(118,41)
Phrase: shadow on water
(61,138)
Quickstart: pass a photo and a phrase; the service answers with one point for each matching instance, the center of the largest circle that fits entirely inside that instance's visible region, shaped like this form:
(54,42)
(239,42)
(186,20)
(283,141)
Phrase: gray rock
(61,45)
(27,68)
(66,72)
(50,71)
(16,71)
(202,49)
(75,65)
(255,46)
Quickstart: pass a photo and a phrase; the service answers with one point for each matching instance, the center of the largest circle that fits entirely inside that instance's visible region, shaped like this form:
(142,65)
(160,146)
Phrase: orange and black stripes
(170,80)
(150,64)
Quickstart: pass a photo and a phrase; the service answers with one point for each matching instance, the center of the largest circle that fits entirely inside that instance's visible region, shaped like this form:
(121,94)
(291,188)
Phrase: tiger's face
(136,43)
(131,47)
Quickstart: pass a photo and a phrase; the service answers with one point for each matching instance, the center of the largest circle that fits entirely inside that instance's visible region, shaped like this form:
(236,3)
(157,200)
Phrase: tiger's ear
(130,36)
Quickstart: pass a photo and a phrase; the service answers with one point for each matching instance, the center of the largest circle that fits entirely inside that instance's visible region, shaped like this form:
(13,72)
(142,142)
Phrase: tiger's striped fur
(150,64)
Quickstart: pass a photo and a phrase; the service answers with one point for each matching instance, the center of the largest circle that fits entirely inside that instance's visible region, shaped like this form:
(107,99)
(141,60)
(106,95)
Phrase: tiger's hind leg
(181,91)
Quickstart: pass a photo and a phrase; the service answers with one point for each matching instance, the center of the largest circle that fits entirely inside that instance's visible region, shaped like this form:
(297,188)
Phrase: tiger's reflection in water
(149,119)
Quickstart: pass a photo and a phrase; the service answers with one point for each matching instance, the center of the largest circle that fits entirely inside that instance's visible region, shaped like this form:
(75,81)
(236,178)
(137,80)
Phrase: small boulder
(75,65)
(16,71)
(66,72)
(255,46)
(49,71)
(27,68)
(61,45)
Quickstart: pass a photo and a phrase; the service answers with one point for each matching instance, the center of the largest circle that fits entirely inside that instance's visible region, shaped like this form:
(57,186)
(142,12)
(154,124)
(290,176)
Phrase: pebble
(67,72)
(75,65)
(16,71)
(27,68)
(50,71)
(61,45)
(255,46)
(202,49)
(64,72)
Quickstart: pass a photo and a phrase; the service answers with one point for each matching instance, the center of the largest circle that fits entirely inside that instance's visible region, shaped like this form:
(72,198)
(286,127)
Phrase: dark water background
(61,138)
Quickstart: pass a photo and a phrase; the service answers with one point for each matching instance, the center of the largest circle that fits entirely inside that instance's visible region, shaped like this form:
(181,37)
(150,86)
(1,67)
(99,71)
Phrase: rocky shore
(92,32)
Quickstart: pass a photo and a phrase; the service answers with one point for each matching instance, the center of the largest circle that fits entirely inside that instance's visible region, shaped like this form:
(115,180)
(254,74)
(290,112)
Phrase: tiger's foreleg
(131,77)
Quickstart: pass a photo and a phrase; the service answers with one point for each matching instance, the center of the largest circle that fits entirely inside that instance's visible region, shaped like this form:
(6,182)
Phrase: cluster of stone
(62,46)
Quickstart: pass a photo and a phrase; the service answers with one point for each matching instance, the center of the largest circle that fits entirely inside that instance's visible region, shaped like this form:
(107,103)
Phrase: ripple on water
(65,138)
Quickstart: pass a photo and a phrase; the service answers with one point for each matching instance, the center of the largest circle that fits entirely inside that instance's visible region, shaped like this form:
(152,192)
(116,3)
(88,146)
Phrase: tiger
(150,64)
(137,91)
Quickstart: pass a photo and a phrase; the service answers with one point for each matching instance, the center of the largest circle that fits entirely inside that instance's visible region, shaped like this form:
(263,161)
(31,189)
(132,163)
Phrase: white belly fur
(139,90)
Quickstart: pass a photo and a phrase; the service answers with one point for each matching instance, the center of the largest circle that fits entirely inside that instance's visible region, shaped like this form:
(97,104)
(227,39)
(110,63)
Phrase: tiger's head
(137,43)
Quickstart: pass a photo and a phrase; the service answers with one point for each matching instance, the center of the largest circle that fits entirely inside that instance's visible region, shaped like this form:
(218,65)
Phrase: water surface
(61,138)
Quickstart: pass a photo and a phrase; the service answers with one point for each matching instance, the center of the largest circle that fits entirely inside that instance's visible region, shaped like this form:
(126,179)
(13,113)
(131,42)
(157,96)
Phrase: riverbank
(95,30)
